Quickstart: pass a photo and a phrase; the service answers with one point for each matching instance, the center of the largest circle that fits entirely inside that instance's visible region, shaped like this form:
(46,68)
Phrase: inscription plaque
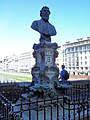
(49,58)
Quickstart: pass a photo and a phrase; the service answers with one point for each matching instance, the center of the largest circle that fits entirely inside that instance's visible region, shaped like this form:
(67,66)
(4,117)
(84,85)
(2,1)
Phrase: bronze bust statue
(43,26)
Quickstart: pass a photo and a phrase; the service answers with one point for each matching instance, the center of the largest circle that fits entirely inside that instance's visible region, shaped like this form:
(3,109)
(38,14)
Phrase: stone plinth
(45,71)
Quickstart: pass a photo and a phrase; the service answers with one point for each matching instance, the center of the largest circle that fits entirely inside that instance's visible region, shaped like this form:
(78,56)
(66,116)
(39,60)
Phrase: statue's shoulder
(51,25)
(35,24)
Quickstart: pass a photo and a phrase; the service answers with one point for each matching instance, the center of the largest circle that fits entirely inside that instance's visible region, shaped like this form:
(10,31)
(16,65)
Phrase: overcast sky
(71,19)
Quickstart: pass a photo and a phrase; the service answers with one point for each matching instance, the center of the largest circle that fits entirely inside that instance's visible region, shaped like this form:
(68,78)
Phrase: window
(84,47)
(68,49)
(72,49)
(73,68)
(86,68)
(85,52)
(81,68)
(65,59)
(73,63)
(76,48)
(85,57)
(69,63)
(77,63)
(80,52)
(80,48)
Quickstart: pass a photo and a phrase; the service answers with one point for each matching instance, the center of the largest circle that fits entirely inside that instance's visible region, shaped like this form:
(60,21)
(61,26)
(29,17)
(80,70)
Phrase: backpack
(66,75)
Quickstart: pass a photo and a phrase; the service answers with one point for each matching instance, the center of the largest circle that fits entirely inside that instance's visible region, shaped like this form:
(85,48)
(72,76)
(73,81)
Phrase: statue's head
(44,13)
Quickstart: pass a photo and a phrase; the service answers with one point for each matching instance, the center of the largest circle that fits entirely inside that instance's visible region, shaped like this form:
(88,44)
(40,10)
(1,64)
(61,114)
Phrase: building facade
(18,63)
(25,62)
(76,56)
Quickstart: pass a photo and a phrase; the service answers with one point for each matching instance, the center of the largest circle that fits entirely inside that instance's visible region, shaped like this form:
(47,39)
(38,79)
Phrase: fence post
(57,108)
(37,108)
(51,109)
(21,108)
(29,108)
(12,112)
(44,110)
(63,109)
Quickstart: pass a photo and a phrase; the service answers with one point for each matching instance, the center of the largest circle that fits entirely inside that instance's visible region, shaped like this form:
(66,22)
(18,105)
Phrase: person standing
(64,75)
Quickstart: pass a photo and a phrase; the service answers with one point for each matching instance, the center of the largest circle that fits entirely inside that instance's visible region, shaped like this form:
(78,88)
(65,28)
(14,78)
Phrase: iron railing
(74,104)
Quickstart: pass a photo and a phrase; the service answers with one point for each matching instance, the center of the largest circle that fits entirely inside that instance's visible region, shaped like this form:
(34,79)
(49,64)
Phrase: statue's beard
(45,18)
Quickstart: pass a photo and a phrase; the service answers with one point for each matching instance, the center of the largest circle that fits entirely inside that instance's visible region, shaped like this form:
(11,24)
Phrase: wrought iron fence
(74,104)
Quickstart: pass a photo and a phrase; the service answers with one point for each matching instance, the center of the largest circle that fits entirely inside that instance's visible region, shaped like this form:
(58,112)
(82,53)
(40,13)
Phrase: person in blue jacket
(64,75)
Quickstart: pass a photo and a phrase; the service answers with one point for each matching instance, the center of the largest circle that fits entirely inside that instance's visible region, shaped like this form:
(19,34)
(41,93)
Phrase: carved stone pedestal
(45,72)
